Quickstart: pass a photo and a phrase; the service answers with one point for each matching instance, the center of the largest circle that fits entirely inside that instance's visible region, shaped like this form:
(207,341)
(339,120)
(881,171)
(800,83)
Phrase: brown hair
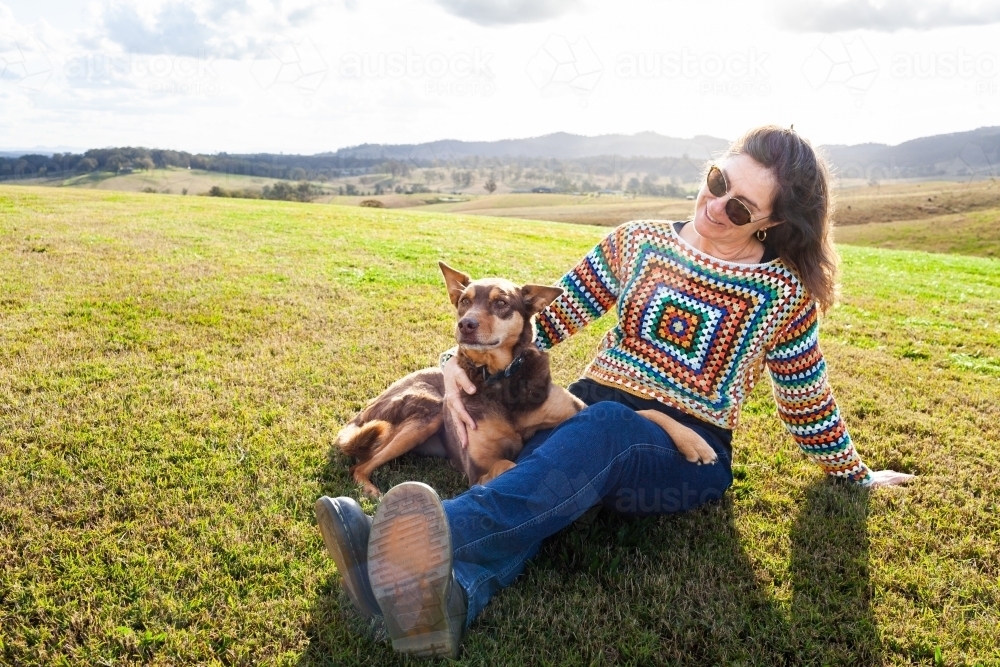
(802,204)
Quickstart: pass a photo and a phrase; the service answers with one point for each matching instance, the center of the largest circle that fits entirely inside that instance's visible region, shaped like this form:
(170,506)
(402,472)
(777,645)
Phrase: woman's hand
(889,478)
(455,382)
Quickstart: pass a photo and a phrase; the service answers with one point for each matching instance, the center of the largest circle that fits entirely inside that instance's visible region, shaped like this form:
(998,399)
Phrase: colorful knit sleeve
(590,289)
(445,356)
(805,400)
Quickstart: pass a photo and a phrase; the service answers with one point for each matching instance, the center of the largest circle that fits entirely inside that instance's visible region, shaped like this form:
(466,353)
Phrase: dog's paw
(499,468)
(701,454)
(366,484)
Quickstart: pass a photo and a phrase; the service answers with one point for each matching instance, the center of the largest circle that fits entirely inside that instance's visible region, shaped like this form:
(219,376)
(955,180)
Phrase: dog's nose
(467,325)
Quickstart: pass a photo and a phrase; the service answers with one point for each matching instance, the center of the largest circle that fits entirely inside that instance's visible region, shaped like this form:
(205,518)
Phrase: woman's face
(749,182)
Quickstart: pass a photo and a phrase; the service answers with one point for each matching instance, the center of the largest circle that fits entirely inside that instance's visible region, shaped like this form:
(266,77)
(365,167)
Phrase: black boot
(410,568)
(345,528)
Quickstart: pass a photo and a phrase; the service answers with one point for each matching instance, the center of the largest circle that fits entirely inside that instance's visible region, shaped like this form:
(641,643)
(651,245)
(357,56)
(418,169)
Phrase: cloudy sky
(308,76)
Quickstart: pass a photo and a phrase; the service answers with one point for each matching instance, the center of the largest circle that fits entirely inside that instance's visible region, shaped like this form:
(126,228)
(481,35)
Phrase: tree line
(128,159)
(303,191)
(661,176)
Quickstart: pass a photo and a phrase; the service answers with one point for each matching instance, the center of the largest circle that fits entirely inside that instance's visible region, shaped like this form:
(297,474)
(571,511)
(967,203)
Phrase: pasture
(173,180)
(173,371)
(856,204)
(904,200)
(971,233)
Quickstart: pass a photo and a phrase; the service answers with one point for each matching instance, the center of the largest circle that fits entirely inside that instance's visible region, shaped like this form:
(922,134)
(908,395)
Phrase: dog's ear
(456,282)
(539,296)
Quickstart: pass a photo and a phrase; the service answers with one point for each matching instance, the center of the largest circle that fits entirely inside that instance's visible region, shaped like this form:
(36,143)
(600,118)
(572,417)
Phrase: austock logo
(839,62)
(944,65)
(293,63)
(560,66)
(410,64)
(735,73)
(459,74)
(972,162)
(976,163)
(162,74)
(561,496)
(25,61)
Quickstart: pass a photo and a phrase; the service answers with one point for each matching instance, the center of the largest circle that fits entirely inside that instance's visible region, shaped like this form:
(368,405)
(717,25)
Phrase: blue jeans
(606,454)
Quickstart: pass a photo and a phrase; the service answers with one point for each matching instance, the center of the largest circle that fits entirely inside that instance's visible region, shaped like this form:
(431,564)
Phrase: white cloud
(220,28)
(269,81)
(500,12)
(302,15)
(176,30)
(885,15)
(219,8)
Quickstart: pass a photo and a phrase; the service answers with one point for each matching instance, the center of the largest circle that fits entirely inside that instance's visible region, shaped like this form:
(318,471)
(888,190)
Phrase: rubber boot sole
(410,569)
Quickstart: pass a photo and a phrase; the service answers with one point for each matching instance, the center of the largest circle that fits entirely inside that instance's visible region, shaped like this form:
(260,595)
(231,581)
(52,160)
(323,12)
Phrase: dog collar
(505,373)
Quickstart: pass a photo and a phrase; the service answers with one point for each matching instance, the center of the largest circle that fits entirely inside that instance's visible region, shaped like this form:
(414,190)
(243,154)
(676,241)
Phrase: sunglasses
(737,211)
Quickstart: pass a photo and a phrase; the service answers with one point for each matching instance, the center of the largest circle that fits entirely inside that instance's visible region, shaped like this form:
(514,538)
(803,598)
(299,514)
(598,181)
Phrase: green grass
(171,180)
(972,233)
(607,211)
(173,371)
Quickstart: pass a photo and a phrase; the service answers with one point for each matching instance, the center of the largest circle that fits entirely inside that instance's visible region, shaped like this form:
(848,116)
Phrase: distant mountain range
(974,153)
(559,145)
(961,153)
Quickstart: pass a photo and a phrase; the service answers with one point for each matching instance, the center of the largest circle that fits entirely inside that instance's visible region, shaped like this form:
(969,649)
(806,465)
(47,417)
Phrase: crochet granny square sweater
(695,332)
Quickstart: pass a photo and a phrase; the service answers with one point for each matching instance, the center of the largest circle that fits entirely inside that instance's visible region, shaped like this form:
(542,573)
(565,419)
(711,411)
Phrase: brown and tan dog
(514,395)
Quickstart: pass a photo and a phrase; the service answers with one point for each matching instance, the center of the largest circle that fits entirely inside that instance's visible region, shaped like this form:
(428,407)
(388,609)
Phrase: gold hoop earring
(761,235)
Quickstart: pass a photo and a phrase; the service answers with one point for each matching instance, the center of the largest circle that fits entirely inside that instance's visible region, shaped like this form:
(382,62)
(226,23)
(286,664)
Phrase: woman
(703,306)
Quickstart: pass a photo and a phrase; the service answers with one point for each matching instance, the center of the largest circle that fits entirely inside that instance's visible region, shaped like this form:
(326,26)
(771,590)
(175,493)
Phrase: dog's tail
(363,441)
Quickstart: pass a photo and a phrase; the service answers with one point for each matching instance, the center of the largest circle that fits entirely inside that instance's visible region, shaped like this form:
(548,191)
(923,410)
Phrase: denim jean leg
(534,442)
(605,452)
(471,575)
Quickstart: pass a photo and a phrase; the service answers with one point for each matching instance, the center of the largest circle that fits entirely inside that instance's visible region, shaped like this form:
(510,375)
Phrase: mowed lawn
(173,371)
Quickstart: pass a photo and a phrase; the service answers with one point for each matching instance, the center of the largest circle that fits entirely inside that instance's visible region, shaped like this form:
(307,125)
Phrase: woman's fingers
(889,478)
(463,434)
(456,382)
(464,382)
(463,421)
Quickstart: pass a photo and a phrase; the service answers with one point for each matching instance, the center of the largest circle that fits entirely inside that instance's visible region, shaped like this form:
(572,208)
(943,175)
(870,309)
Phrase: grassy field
(170,181)
(173,371)
(583,209)
(972,233)
(608,210)
(856,205)
(913,200)
(905,201)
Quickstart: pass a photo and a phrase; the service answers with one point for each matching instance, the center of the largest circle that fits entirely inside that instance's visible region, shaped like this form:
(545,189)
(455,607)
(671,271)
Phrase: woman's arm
(805,400)
(590,289)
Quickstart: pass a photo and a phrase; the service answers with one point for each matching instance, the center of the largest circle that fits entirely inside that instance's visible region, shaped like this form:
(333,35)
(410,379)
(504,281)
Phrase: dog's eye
(464,301)
(501,303)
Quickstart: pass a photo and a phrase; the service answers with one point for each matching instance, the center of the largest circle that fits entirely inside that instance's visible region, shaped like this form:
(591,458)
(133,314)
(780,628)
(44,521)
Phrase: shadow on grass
(831,619)
(671,590)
